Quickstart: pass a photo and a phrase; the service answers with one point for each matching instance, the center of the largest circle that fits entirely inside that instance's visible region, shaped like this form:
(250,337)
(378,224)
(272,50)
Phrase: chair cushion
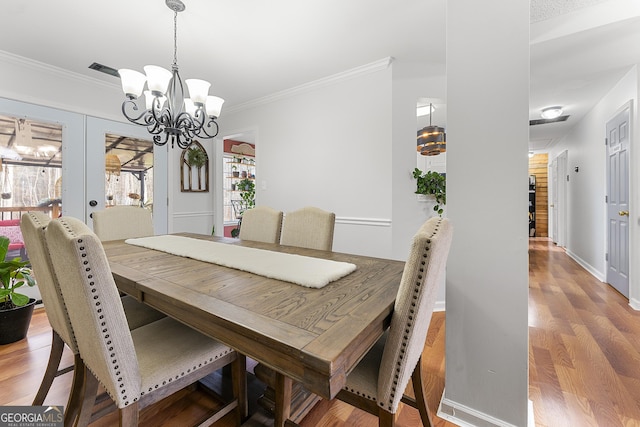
(168,350)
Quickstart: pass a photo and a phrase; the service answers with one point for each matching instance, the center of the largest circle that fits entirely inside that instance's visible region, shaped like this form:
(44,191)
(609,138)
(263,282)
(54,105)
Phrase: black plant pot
(14,323)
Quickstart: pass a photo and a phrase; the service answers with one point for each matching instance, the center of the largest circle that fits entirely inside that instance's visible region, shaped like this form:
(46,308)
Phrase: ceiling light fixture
(551,112)
(167,110)
(432,140)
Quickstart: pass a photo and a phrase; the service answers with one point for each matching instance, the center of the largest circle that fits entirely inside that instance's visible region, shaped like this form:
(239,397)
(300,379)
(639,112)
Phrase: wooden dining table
(313,336)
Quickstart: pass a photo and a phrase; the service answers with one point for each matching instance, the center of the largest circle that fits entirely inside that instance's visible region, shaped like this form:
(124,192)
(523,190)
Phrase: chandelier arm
(137,119)
(208,124)
(157,139)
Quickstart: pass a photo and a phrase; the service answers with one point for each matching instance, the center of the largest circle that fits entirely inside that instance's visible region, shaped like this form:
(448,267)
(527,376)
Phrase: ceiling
(253,48)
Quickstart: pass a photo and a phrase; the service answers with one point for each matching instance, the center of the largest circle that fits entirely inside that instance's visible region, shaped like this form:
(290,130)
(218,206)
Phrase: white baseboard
(464,416)
(593,271)
(634,303)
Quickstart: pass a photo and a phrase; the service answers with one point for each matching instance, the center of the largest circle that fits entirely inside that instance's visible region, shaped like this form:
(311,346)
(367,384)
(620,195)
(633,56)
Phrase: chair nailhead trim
(416,292)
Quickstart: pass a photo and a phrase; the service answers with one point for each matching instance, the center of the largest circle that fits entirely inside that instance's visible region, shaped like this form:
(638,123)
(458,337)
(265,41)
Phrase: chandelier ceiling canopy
(169,115)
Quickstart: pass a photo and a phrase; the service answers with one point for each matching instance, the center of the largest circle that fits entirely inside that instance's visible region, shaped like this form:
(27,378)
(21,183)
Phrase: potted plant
(15,308)
(235,172)
(433,184)
(247,192)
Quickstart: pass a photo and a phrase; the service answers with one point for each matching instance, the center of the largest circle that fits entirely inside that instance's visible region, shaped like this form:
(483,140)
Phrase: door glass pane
(128,171)
(30,174)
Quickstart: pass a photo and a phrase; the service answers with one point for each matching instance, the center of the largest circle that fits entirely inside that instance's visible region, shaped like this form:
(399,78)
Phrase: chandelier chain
(175,38)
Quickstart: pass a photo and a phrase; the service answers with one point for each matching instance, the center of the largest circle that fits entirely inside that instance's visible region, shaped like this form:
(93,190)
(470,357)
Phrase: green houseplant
(15,308)
(434,184)
(196,157)
(247,192)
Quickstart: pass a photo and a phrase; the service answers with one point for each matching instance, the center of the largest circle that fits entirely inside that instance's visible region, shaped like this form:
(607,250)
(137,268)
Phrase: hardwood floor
(584,345)
(584,354)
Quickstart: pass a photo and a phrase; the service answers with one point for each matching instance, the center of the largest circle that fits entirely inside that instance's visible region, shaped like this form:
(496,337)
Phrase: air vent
(545,121)
(104,69)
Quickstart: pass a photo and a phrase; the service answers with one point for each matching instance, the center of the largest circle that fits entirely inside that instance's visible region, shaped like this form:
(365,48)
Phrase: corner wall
(486,380)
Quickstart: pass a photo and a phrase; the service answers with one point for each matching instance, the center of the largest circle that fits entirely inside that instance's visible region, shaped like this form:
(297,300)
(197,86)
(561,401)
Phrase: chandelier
(432,140)
(169,115)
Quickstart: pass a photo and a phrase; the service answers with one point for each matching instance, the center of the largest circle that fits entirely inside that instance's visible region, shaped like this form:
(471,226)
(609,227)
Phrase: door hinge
(567,178)
(606,199)
(606,257)
(606,141)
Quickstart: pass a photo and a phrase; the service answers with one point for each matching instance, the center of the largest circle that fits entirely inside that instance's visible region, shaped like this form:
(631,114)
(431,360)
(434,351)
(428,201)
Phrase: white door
(559,185)
(95,198)
(553,172)
(618,202)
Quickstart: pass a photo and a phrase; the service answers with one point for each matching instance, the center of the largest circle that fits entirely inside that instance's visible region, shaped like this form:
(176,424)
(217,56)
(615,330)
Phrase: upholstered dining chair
(261,224)
(378,382)
(309,227)
(122,222)
(139,367)
(33,225)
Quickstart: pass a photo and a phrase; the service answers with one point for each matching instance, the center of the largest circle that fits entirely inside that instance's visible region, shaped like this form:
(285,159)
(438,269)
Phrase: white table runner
(301,270)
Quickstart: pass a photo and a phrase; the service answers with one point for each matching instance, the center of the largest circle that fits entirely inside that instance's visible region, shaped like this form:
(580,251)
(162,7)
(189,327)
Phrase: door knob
(623,213)
(93,203)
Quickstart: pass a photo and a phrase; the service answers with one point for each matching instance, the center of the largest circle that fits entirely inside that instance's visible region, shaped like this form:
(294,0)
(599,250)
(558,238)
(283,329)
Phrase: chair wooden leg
(75,395)
(239,380)
(386,418)
(57,346)
(283,399)
(421,395)
(129,415)
(89,390)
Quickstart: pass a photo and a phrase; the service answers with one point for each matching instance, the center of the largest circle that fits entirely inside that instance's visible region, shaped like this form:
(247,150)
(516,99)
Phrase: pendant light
(432,140)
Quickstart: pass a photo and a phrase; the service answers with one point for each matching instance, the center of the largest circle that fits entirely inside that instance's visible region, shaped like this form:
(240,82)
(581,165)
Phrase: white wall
(586,216)
(486,381)
(328,144)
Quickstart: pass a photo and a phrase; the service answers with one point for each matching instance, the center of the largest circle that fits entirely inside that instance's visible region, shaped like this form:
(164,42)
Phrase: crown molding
(372,67)
(32,64)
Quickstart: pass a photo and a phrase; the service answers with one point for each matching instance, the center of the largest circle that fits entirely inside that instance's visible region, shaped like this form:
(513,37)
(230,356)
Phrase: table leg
(283,399)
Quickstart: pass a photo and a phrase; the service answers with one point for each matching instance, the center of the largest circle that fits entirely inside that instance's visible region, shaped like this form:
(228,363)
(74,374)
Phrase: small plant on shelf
(434,184)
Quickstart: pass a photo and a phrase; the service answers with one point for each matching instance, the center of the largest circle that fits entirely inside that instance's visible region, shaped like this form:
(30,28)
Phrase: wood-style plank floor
(584,358)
